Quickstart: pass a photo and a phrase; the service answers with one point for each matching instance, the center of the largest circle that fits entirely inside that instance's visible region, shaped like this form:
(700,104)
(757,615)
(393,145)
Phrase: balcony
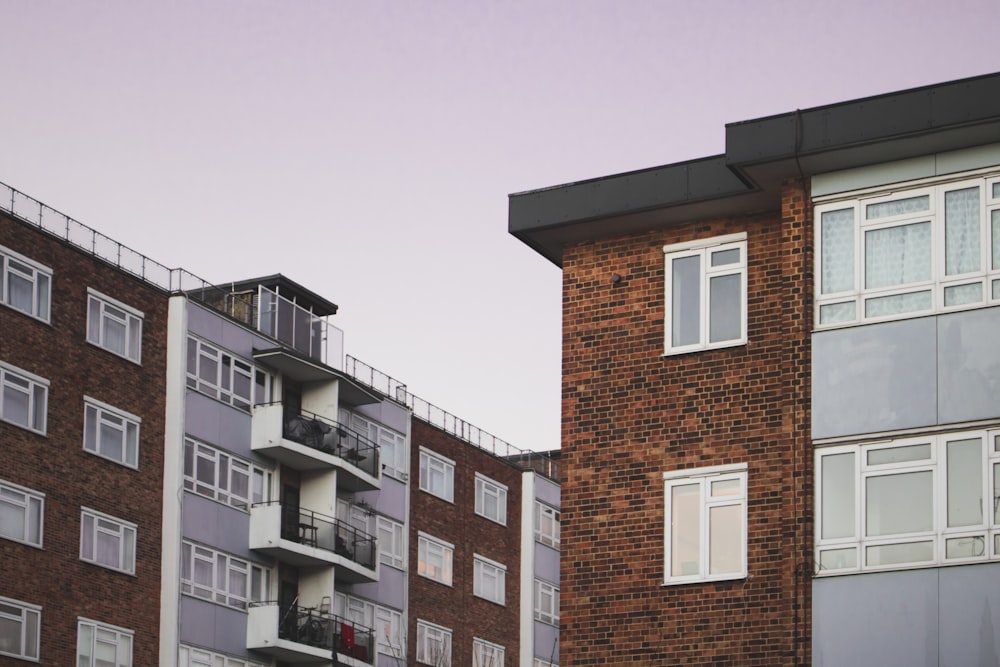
(307,539)
(306,441)
(301,635)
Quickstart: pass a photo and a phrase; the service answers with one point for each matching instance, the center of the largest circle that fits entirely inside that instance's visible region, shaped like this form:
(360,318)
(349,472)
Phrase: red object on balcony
(346,639)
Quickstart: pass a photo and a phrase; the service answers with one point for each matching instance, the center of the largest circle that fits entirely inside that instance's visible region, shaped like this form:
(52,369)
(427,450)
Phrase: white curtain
(961,224)
(837,238)
(898,255)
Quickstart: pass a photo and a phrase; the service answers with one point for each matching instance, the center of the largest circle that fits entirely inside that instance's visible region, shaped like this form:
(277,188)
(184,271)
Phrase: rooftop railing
(461,429)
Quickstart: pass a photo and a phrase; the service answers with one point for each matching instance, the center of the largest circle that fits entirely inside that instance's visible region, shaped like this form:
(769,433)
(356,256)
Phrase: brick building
(83,366)
(780,402)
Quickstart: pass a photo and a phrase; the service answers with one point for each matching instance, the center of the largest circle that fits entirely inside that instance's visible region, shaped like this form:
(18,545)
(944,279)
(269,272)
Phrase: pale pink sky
(366,149)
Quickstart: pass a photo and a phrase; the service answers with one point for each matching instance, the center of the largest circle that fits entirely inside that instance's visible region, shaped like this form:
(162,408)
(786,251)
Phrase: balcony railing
(323,532)
(320,629)
(332,437)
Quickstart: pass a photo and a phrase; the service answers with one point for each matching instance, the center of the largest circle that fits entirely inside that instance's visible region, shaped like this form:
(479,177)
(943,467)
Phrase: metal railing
(324,532)
(332,437)
(439,418)
(321,629)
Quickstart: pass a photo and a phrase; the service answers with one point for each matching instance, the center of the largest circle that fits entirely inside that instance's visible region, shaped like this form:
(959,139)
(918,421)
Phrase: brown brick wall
(630,414)
(456,607)
(56,464)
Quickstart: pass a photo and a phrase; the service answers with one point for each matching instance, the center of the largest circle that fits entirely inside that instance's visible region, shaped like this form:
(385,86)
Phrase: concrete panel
(546,641)
(546,490)
(216,525)
(878,377)
(876,620)
(970,615)
(389,590)
(390,500)
(213,626)
(388,413)
(546,563)
(871,176)
(968,366)
(218,424)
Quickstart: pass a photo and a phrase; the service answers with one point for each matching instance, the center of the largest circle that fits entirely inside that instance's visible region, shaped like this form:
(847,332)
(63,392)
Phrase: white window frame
(100,422)
(391,542)
(35,389)
(391,443)
(430,547)
(433,644)
(704,249)
(30,618)
(38,276)
(487,654)
(704,479)
(190,656)
(102,310)
(850,552)
(546,599)
(490,488)
(547,524)
(105,526)
(489,579)
(121,639)
(221,568)
(224,469)
(230,370)
(437,475)
(386,623)
(31,505)
(939,282)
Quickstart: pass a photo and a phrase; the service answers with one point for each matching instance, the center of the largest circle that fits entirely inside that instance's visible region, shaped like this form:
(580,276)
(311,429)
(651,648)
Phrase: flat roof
(760,154)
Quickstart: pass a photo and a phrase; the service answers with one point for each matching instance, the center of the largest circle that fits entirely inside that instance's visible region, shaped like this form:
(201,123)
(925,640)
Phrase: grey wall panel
(970,615)
(546,641)
(389,590)
(546,563)
(216,525)
(546,490)
(213,626)
(969,365)
(388,413)
(218,424)
(876,620)
(206,323)
(878,377)
(389,500)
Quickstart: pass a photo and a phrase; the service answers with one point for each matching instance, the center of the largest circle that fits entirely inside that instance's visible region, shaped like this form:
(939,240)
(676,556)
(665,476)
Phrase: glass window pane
(685,311)
(965,547)
(898,304)
(995,222)
(838,559)
(919,452)
(725,553)
(685,530)
(837,502)
(725,257)
(897,554)
(965,485)
(10,635)
(726,487)
(898,255)
(898,207)
(837,312)
(960,295)
(726,311)
(961,230)
(899,504)
(837,240)
(996,494)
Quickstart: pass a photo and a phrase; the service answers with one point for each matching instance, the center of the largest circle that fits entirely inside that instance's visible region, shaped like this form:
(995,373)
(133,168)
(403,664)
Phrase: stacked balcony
(308,635)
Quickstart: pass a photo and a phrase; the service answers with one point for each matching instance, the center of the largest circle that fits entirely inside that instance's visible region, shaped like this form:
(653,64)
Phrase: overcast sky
(366,149)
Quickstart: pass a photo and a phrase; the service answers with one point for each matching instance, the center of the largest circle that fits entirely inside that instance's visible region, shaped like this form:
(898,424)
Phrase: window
(19,628)
(392,445)
(907,253)
(23,398)
(21,512)
(219,476)
(491,499)
(489,579)
(706,294)
(391,543)
(486,654)
(437,475)
(434,558)
(910,502)
(110,432)
(546,602)
(24,284)
(99,645)
(114,326)
(433,644)
(218,577)
(705,524)
(546,524)
(222,376)
(107,541)
(386,623)
(195,657)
